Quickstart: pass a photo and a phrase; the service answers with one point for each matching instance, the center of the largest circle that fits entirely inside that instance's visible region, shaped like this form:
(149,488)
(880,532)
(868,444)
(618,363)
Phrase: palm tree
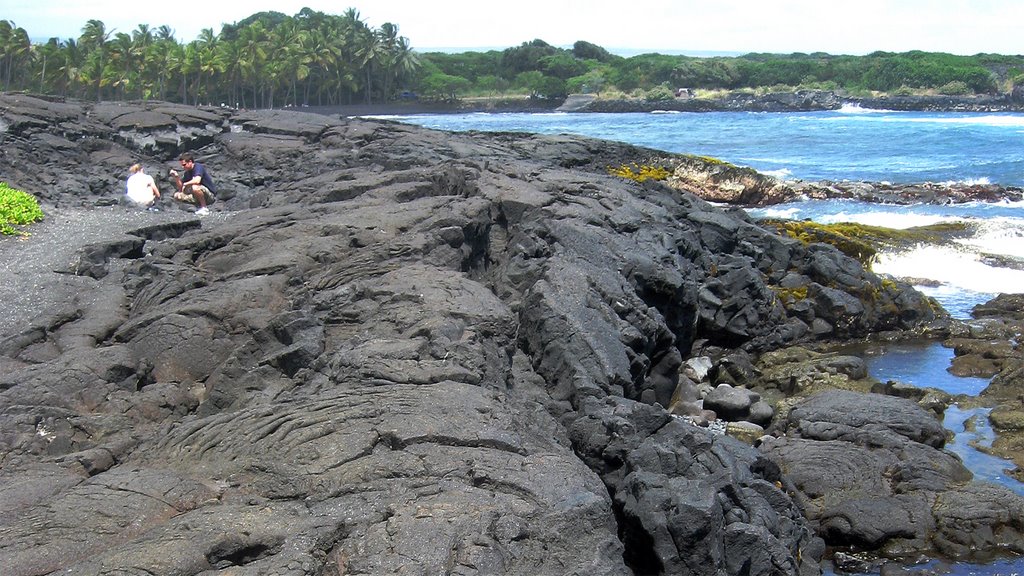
(337,56)
(252,55)
(142,44)
(397,58)
(228,56)
(406,61)
(188,64)
(94,38)
(122,50)
(164,33)
(322,56)
(387,37)
(369,50)
(14,46)
(6,31)
(72,59)
(350,30)
(47,53)
(208,58)
(162,60)
(287,43)
(175,68)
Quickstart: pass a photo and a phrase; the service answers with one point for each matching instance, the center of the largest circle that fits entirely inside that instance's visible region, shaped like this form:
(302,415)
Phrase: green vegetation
(714,161)
(790,295)
(17,208)
(312,58)
(862,241)
(266,60)
(640,173)
(588,68)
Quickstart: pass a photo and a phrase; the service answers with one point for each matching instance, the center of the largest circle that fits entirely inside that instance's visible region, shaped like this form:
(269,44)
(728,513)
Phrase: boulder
(730,403)
(871,474)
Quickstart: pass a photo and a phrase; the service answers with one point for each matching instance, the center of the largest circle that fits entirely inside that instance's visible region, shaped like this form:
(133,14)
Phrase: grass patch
(17,208)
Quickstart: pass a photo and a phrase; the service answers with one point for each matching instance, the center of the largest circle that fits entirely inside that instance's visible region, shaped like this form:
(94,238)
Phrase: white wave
(1002,236)
(981,181)
(851,108)
(789,213)
(950,267)
(992,120)
(665,112)
(1015,120)
(898,220)
(851,113)
(1001,204)
(780,174)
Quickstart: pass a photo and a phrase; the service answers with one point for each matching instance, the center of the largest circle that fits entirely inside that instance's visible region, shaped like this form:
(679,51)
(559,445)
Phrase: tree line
(267,60)
(542,69)
(312,58)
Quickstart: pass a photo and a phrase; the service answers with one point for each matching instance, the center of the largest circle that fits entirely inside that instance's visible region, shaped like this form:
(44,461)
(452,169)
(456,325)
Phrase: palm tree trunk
(42,75)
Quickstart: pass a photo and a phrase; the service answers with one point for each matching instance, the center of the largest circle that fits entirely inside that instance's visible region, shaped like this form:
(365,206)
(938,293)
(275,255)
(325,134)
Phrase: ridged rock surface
(391,350)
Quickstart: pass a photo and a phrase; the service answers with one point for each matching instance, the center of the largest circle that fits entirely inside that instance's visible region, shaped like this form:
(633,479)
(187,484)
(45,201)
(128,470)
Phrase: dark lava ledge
(411,352)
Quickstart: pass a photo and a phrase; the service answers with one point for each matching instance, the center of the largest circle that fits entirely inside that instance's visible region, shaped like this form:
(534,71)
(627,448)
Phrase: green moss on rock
(862,241)
(1005,418)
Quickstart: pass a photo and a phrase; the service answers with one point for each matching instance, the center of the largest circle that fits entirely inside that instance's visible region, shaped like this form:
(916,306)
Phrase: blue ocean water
(862,145)
(847,144)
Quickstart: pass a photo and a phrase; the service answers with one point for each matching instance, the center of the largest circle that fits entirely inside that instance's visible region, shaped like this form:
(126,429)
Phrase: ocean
(861,145)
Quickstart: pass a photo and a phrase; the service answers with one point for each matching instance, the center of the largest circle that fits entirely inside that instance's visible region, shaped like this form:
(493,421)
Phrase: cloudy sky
(687,26)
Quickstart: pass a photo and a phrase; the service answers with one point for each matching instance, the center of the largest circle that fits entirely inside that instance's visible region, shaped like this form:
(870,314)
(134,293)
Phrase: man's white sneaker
(202,211)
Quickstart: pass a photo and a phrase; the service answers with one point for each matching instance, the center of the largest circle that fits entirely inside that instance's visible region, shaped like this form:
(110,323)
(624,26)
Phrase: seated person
(140,189)
(195,185)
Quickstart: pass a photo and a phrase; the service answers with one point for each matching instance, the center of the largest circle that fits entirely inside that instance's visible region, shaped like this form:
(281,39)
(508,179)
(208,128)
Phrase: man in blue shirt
(195,184)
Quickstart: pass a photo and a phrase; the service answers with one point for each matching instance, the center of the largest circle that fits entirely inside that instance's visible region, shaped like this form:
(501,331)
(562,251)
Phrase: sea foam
(1001,236)
(887,219)
(951,267)
(782,174)
(848,108)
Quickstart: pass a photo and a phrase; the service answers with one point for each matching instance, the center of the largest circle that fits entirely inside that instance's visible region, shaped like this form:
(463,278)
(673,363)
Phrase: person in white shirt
(141,190)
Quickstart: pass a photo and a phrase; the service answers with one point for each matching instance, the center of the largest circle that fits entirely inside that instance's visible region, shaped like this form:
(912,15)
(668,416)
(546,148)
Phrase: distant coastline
(799,101)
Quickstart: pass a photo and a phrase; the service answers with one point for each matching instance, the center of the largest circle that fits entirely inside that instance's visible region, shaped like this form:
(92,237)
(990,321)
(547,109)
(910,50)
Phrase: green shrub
(17,208)
(955,88)
(659,94)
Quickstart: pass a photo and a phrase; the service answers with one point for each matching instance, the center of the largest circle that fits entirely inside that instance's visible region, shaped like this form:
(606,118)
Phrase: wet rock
(798,371)
(864,419)
(871,473)
(761,413)
(697,368)
(992,344)
(730,403)
(746,432)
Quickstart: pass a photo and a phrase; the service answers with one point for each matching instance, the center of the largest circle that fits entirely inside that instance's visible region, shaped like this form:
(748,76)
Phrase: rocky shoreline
(812,100)
(392,349)
(718,181)
(798,101)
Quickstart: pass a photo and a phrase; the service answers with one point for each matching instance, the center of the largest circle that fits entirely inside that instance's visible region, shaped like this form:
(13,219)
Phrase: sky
(621,26)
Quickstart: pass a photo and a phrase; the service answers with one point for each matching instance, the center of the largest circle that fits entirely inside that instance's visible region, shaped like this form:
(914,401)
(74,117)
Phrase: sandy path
(29,281)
